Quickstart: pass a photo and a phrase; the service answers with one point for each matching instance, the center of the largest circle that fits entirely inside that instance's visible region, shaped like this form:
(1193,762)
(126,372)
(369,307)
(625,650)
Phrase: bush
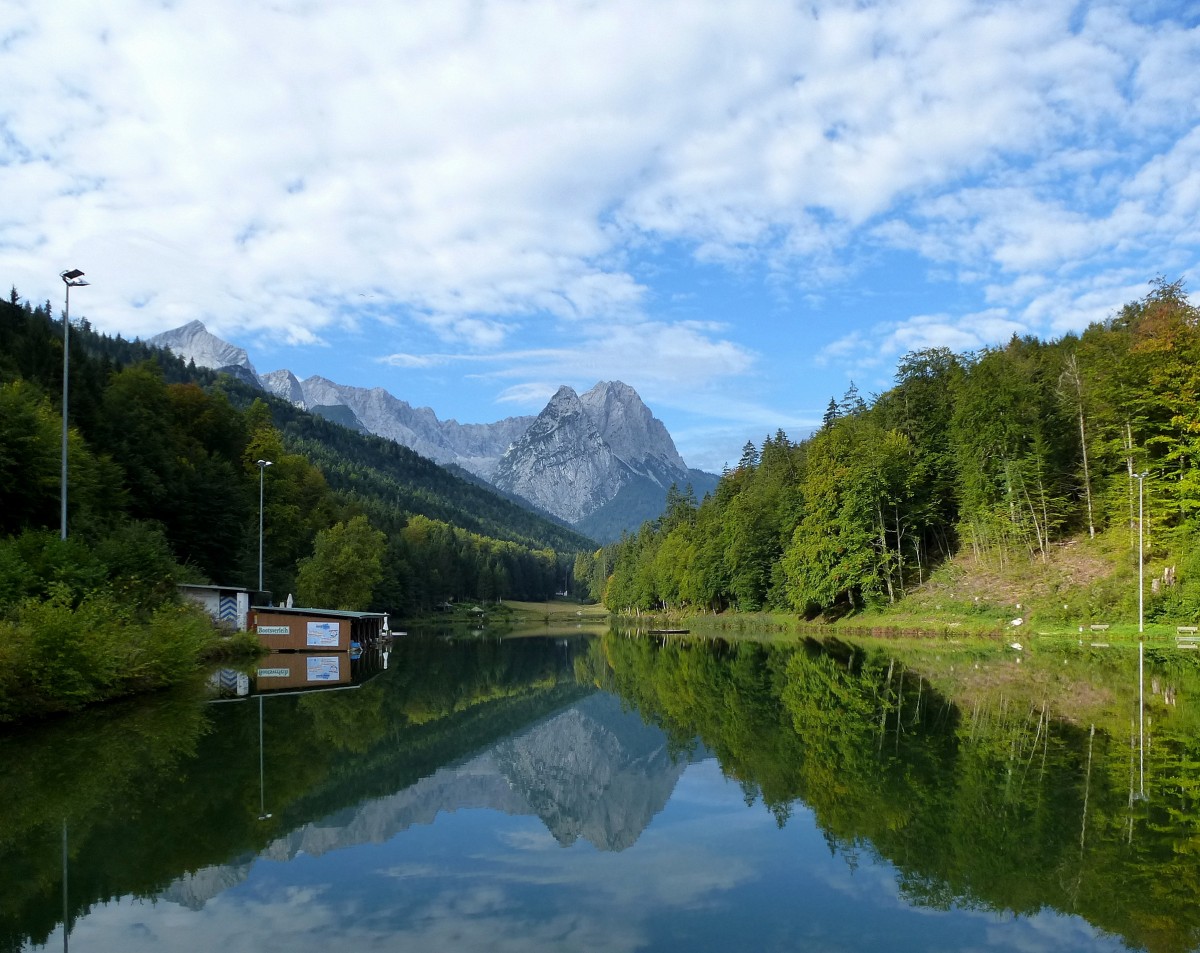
(57,657)
(84,623)
(133,561)
(1178,603)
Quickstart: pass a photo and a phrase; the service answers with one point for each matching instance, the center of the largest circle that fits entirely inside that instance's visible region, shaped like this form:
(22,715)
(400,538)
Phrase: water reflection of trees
(150,792)
(998,806)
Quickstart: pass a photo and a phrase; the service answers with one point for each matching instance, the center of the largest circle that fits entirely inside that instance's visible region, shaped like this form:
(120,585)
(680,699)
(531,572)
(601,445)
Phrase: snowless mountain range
(600,461)
(593,770)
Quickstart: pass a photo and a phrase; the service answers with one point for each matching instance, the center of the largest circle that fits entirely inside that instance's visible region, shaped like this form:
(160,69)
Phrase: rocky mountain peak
(601,461)
(194,342)
(285,384)
(628,426)
(562,463)
(564,403)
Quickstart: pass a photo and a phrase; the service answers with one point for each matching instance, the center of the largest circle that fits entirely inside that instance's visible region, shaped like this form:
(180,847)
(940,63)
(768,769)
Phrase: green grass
(556,611)
(514,616)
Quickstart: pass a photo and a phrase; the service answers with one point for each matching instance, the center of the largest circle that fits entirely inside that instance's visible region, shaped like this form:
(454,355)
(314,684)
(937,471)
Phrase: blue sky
(735,207)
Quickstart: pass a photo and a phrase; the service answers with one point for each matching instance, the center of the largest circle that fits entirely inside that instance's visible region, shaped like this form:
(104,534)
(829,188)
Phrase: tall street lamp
(1141,478)
(262,469)
(72,279)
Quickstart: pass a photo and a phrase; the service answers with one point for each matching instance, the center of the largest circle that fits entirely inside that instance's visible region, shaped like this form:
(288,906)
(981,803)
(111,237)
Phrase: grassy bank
(1085,591)
(56,657)
(511,615)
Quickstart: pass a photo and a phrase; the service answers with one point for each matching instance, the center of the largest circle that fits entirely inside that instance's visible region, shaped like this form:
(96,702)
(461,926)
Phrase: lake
(618,793)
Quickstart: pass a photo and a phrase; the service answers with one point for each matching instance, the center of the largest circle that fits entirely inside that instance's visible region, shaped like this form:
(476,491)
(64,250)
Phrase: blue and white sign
(324,668)
(324,634)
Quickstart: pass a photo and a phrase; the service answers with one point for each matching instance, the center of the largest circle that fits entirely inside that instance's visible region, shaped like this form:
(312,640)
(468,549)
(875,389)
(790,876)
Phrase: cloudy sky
(735,206)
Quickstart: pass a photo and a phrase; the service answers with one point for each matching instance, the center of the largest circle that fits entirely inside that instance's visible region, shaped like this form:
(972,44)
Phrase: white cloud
(492,173)
(414,360)
(884,343)
(463,157)
(528,395)
(656,358)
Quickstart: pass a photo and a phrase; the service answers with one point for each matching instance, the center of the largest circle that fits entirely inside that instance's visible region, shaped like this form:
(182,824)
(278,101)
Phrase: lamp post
(262,469)
(66,907)
(262,788)
(1141,478)
(1141,644)
(72,279)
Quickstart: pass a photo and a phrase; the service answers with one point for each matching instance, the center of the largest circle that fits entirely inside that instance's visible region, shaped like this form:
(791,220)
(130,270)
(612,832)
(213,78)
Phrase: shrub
(58,657)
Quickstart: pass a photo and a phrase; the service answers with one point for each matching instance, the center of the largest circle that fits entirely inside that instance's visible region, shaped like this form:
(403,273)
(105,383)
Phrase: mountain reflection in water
(590,770)
(719,795)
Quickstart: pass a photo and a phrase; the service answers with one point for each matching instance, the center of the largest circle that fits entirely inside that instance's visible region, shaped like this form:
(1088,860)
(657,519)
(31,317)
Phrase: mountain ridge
(578,457)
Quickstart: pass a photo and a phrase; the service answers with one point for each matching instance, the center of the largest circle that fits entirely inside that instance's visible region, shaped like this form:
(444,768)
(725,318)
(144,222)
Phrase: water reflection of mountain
(105,776)
(590,770)
(593,771)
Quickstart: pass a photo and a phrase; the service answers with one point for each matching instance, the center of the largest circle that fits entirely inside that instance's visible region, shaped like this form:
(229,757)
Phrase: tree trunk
(1129,469)
(883,550)
(1072,374)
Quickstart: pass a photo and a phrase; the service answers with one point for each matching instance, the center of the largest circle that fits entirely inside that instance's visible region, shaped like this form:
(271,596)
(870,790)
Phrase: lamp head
(73,277)
(265,463)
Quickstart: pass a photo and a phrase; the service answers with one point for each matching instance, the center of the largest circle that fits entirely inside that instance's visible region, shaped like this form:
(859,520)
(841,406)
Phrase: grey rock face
(562,463)
(195,889)
(577,456)
(193,342)
(591,770)
(635,435)
(385,415)
(284,384)
(475,447)
(582,453)
(480,446)
(571,459)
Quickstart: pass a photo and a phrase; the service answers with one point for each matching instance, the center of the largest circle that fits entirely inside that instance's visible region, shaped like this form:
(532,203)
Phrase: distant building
(229,606)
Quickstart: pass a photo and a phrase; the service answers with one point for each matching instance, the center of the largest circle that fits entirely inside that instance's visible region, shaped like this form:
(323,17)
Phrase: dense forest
(994,805)
(1000,454)
(167,453)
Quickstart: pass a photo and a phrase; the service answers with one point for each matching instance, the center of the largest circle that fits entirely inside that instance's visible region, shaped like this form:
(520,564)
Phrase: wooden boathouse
(287,629)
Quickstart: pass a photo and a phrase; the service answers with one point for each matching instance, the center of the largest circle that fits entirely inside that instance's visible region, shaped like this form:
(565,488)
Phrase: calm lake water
(608,794)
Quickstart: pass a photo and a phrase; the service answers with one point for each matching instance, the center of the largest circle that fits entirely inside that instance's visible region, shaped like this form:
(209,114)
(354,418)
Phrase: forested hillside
(1000,454)
(172,449)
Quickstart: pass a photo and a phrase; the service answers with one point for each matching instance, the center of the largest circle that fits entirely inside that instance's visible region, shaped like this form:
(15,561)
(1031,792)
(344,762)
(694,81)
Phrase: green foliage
(59,656)
(158,444)
(394,482)
(1178,603)
(986,804)
(132,562)
(634,503)
(82,623)
(346,565)
(30,465)
(29,457)
(443,563)
(856,482)
(153,789)
(1005,453)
